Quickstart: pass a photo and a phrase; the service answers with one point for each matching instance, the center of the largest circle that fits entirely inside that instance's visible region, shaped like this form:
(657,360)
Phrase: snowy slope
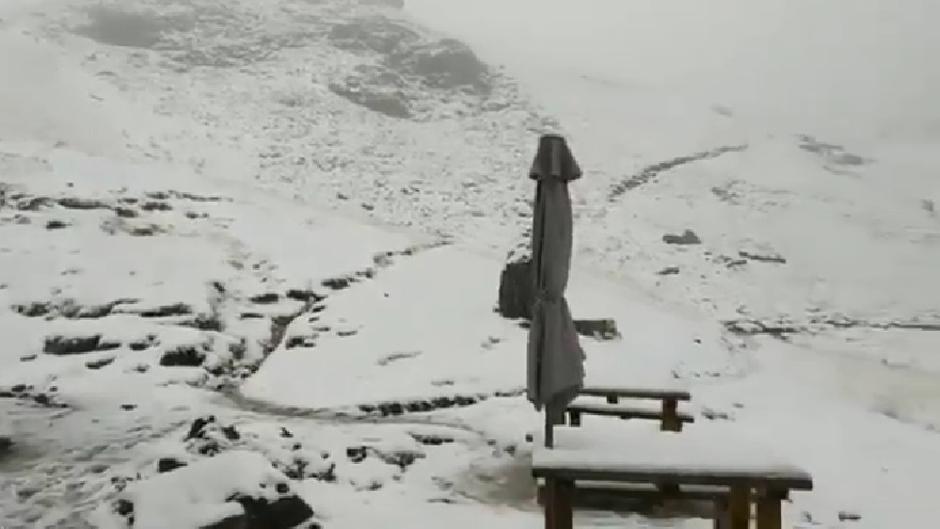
(290,217)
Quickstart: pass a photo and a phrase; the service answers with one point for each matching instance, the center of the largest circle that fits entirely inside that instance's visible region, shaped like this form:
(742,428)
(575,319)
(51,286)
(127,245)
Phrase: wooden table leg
(548,503)
(564,508)
(559,498)
(768,511)
(740,507)
(671,422)
(722,520)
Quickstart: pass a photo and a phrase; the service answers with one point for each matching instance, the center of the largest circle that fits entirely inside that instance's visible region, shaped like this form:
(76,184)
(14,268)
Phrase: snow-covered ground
(291,216)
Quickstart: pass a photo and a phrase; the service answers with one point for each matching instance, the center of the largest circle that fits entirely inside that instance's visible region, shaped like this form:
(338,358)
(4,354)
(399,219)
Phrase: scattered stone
(61,345)
(336,283)
(688,237)
(347,333)
(770,258)
(231,433)
(669,271)
(125,213)
(175,309)
(265,299)
(306,296)
(388,359)
(82,203)
(128,407)
(431,440)
(357,454)
(285,433)
(33,310)
(98,364)
(156,206)
(28,358)
(124,507)
(604,329)
(56,225)
(139,345)
(197,429)
(714,415)
(849,516)
(5,444)
(184,355)
(169,464)
(251,316)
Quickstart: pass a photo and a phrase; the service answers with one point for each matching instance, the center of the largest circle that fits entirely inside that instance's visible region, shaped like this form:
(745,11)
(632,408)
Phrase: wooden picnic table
(714,458)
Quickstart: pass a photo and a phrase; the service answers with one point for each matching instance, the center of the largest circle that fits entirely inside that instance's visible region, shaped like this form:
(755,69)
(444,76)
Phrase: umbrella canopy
(555,361)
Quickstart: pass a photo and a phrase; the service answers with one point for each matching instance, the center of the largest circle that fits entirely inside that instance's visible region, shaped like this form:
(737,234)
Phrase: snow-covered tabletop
(638,453)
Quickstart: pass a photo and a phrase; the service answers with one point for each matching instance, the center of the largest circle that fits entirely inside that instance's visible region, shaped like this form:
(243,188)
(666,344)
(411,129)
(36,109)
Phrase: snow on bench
(707,456)
(670,395)
(639,410)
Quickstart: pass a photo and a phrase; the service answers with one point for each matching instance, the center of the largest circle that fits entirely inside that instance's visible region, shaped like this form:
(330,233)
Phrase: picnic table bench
(707,462)
(671,419)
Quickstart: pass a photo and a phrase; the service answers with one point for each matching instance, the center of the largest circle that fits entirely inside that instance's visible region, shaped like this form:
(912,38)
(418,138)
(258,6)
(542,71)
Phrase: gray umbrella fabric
(555,360)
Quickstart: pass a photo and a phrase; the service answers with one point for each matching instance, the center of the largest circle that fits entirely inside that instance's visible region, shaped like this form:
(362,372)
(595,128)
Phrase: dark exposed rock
(604,329)
(28,358)
(669,271)
(766,258)
(284,513)
(286,433)
(336,283)
(34,203)
(251,316)
(304,295)
(299,341)
(82,203)
(231,433)
(432,440)
(516,289)
(169,464)
(357,454)
(264,299)
(128,407)
(156,206)
(33,310)
(139,345)
(62,345)
(204,322)
(184,355)
(5,444)
(687,237)
(849,516)
(98,364)
(126,213)
(56,225)
(123,507)
(197,429)
(175,309)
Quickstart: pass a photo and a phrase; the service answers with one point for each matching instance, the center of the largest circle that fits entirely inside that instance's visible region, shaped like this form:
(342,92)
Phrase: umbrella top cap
(554,160)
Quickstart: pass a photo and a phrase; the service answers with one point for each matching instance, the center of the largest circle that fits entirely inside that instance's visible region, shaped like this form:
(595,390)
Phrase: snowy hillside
(241,234)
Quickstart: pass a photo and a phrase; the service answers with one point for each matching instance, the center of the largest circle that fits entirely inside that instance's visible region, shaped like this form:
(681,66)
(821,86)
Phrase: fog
(852,68)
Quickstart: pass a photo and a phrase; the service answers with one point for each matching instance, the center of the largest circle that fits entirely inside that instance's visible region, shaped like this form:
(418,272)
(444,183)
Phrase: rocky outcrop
(686,238)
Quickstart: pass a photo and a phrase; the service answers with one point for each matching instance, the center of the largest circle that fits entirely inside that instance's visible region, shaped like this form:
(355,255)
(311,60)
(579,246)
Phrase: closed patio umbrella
(555,360)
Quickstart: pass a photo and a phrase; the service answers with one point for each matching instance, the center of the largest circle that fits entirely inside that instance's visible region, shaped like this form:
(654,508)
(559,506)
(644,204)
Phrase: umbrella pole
(549,430)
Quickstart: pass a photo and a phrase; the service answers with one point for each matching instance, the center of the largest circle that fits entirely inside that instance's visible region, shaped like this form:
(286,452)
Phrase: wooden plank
(752,479)
(636,392)
(739,507)
(624,411)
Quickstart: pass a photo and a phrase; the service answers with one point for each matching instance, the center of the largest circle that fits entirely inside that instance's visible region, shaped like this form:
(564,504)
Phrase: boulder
(516,289)
(603,329)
